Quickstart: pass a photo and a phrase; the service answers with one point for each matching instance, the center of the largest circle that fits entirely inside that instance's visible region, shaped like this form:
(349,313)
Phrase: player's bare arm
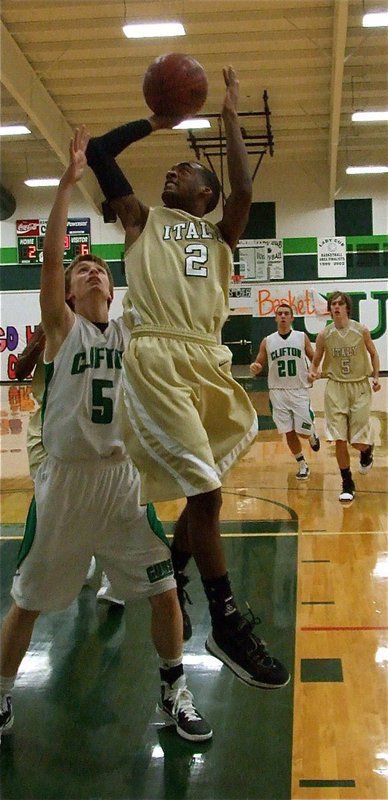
(317,357)
(260,360)
(236,211)
(308,348)
(57,317)
(374,357)
(28,358)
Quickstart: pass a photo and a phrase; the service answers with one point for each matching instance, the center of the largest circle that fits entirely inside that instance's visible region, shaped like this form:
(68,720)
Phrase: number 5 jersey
(81,402)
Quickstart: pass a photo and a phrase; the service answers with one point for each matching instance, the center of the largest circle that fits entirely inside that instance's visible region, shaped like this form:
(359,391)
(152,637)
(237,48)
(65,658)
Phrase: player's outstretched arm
(314,372)
(260,360)
(28,359)
(236,211)
(57,317)
(101,157)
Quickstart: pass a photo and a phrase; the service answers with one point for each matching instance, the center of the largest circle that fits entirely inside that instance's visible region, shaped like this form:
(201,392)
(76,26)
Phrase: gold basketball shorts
(187,419)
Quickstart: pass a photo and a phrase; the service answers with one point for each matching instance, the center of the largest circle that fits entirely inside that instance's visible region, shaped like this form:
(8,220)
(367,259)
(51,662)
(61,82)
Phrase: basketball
(175,85)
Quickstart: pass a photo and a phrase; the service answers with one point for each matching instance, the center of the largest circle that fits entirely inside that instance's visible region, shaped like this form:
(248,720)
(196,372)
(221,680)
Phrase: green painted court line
(326,783)
(318,603)
(315,561)
(321,670)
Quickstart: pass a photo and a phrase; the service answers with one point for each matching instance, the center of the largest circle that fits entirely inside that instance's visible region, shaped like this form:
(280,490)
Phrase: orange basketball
(175,85)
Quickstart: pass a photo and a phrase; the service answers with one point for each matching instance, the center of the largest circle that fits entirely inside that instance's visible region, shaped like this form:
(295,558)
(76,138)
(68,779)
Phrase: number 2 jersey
(287,361)
(178,274)
(81,403)
(346,357)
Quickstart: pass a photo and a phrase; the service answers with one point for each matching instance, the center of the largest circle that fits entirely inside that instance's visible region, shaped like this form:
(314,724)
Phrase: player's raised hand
(77,148)
(232,89)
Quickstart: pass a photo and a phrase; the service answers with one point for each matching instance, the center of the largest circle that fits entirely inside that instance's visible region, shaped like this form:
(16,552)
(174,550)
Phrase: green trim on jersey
(29,533)
(155,524)
(48,374)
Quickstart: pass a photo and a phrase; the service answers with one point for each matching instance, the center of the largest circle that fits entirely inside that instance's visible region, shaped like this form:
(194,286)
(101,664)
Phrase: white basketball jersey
(287,361)
(80,408)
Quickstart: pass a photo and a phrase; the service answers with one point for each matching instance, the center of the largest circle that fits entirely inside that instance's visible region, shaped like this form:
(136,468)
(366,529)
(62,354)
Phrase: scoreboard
(30,237)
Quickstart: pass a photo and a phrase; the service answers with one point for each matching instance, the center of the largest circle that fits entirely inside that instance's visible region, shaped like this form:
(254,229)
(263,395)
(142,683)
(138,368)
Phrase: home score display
(30,236)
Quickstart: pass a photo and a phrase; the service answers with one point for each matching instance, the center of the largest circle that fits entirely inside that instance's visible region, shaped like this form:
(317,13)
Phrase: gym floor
(85,722)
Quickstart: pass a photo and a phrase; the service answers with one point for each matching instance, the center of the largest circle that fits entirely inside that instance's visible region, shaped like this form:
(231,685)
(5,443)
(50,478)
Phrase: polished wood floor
(315,572)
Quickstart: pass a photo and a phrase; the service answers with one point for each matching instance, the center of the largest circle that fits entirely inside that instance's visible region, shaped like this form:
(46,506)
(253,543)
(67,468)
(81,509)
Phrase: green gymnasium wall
(367,258)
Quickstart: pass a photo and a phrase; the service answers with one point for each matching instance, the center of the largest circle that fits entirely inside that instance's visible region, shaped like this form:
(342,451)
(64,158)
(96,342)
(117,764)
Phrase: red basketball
(175,85)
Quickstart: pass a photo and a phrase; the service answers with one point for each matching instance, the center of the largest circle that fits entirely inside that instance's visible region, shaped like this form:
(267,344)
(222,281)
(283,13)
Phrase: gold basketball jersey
(178,274)
(346,357)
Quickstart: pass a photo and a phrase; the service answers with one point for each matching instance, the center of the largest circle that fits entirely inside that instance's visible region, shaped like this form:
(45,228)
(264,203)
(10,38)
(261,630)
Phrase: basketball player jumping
(188,420)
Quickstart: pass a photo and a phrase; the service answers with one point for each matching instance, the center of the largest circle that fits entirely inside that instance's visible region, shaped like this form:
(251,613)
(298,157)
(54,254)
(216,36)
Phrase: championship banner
(332,257)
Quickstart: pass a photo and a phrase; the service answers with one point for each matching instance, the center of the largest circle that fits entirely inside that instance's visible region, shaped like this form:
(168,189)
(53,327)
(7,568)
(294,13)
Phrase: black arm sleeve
(101,152)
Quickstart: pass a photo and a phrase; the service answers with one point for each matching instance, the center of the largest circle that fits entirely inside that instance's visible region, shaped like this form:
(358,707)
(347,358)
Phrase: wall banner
(332,257)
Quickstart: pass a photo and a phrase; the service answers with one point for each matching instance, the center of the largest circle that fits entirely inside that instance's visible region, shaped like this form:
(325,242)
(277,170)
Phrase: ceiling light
(192,123)
(42,182)
(13,130)
(370,116)
(153,29)
(375,20)
(364,170)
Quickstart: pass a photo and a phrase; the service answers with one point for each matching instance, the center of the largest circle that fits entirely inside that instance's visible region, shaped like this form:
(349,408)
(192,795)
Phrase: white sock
(168,663)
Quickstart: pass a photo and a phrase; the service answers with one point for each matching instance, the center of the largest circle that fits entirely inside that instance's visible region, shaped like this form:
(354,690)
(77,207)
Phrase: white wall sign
(332,257)
(260,259)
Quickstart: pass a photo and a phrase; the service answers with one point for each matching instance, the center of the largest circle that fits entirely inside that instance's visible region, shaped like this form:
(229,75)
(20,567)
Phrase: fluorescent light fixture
(375,19)
(370,116)
(42,182)
(13,130)
(192,123)
(363,170)
(150,30)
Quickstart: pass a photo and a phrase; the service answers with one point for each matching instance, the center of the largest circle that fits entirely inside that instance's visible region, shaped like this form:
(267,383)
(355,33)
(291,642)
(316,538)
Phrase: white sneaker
(6,714)
(104,594)
(303,472)
(176,706)
(314,442)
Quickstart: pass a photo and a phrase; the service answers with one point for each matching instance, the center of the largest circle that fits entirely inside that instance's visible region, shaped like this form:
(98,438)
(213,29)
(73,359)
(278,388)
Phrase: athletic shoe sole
(302,477)
(190,737)
(364,470)
(346,501)
(241,673)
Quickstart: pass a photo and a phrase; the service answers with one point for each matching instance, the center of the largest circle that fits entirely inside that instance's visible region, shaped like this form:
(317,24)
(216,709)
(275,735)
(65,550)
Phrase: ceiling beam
(338,60)
(24,85)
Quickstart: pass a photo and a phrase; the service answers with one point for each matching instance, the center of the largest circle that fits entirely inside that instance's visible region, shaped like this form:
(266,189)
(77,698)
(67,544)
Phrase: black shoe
(366,459)
(346,496)
(182,581)
(6,714)
(245,654)
(314,442)
(176,706)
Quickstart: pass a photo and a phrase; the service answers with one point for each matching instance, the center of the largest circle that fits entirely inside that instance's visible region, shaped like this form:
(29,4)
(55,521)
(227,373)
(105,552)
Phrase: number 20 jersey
(287,362)
(80,408)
